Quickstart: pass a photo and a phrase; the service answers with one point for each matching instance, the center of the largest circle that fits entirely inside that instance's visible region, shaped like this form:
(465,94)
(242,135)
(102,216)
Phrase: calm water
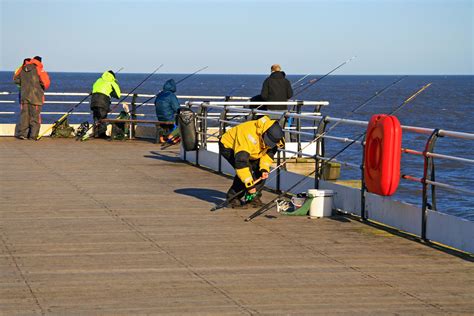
(448,104)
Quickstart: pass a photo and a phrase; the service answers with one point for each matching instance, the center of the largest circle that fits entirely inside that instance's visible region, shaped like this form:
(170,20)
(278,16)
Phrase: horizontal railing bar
(321,158)
(343,139)
(420,130)
(438,184)
(296,153)
(449,187)
(441,156)
(298,133)
(72,113)
(411,178)
(320,103)
(412,152)
(210,97)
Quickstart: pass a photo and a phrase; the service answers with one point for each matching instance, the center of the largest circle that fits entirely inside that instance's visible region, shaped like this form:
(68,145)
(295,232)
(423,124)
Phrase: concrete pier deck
(122,228)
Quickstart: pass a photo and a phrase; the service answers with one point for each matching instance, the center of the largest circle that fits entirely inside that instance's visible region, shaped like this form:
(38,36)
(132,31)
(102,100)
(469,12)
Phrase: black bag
(187,129)
(62,130)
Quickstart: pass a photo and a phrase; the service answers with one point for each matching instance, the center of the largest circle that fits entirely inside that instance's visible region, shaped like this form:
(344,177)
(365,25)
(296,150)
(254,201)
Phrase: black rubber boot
(256,202)
(236,203)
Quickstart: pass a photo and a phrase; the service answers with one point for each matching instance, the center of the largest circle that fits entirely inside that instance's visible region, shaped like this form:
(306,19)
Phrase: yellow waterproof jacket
(107,84)
(246,140)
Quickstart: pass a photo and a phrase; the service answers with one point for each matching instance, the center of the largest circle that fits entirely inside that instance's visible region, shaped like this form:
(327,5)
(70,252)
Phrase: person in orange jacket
(33,81)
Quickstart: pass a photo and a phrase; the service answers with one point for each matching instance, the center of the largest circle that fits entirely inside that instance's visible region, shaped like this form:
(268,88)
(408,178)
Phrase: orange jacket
(43,75)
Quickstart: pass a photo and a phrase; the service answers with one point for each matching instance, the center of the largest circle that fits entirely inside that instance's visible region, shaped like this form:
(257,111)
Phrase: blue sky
(388,37)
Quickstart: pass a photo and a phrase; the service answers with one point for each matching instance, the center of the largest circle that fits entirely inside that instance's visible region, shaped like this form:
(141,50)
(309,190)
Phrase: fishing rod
(266,207)
(311,82)
(301,79)
(143,81)
(376,94)
(86,128)
(62,118)
(177,82)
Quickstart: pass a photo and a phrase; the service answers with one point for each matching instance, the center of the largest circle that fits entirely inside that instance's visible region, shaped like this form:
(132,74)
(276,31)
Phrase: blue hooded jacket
(166,102)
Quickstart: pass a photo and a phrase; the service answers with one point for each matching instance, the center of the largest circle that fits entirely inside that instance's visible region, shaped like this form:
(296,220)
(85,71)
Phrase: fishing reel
(82,130)
(248,197)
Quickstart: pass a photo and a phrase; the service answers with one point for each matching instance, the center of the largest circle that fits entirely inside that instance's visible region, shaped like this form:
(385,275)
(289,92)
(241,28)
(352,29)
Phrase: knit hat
(273,135)
(38,58)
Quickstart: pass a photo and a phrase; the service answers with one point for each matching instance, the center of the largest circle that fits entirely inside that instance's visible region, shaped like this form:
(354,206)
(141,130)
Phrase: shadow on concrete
(208,195)
(170,156)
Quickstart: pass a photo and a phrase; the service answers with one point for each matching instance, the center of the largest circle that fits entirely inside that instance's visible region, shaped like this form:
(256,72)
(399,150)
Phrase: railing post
(278,179)
(363,188)
(428,172)
(133,115)
(222,117)
(299,104)
(319,151)
(203,114)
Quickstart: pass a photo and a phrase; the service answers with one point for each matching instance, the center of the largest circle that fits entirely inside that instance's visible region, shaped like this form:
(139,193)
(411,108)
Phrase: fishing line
(177,82)
(266,207)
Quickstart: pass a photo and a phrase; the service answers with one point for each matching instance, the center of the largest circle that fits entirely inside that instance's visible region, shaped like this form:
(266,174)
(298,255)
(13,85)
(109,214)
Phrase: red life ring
(382,154)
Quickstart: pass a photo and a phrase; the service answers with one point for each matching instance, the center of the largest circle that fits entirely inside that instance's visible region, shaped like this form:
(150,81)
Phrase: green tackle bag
(121,130)
(62,130)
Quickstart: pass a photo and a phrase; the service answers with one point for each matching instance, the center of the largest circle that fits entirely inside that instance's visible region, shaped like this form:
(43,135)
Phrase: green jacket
(107,84)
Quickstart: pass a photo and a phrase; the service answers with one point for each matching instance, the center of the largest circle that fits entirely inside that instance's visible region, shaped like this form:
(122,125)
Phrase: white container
(321,206)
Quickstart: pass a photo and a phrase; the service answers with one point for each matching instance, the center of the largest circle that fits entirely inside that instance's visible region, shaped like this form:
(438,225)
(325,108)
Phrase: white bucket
(321,206)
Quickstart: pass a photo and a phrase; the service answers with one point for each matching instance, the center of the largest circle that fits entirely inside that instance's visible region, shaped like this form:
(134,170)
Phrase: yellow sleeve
(265,163)
(245,176)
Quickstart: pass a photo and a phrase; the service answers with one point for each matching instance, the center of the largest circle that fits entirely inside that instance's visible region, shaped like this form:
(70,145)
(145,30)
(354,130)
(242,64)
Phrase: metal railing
(52,98)
(428,182)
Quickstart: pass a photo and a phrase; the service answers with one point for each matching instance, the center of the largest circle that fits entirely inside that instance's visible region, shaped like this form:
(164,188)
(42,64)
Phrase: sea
(448,104)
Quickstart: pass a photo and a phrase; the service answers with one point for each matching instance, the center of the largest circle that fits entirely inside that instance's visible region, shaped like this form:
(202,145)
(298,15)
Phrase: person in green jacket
(103,89)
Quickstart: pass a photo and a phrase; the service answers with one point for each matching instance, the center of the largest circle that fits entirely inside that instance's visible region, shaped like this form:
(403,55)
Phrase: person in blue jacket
(166,107)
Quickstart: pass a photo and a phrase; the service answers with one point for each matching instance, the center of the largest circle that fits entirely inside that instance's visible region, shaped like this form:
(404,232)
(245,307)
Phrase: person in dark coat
(276,88)
(166,107)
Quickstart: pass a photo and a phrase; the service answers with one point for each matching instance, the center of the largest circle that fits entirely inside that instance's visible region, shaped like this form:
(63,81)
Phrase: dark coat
(276,88)
(166,102)
(33,80)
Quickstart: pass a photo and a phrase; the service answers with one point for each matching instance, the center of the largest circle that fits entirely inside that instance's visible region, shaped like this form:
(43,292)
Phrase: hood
(170,85)
(277,75)
(263,124)
(35,62)
(32,64)
(107,76)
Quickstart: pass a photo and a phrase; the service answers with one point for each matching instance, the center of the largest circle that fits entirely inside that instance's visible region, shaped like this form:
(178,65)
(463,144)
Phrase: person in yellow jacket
(104,88)
(249,147)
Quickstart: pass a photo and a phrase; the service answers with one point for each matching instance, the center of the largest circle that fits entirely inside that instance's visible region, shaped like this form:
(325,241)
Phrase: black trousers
(237,184)
(99,128)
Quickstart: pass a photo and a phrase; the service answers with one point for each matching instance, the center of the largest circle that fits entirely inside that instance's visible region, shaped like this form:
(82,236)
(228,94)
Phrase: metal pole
(298,127)
(428,171)
(363,188)
(278,179)
(133,115)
